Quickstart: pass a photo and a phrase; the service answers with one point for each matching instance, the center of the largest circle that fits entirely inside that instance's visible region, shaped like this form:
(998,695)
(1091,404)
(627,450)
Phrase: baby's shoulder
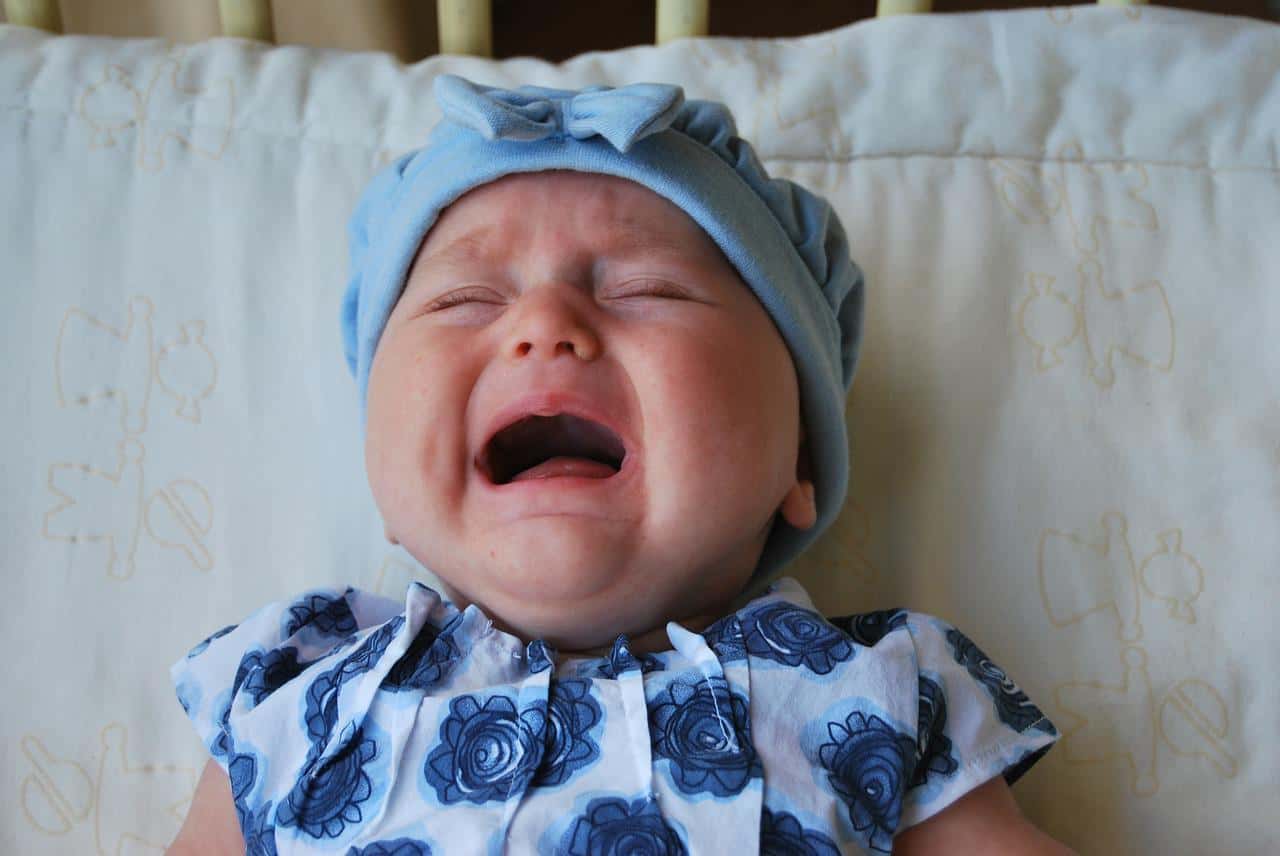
(869,628)
(237,667)
(927,634)
(945,660)
(788,610)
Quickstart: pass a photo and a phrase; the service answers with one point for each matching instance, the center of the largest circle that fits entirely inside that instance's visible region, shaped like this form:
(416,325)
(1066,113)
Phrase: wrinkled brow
(629,238)
(476,245)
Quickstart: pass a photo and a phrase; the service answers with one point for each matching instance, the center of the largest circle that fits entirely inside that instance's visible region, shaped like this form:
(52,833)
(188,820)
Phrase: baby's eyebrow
(628,240)
(471,246)
(641,240)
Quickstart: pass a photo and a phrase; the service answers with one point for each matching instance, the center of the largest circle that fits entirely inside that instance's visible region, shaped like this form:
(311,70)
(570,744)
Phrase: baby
(603,360)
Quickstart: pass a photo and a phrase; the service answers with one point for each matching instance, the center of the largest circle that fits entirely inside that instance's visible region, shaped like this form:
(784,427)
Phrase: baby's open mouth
(538,447)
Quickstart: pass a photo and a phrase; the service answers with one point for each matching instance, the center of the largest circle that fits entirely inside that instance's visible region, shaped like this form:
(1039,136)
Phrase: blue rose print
(868,628)
(328,795)
(867,761)
(267,672)
(1012,705)
(242,670)
(199,649)
(221,745)
(428,660)
(366,656)
(706,735)
(242,768)
(793,636)
(571,714)
(485,752)
(395,847)
(259,834)
(932,743)
(189,696)
(611,826)
(538,656)
(782,835)
(621,660)
(322,709)
(724,637)
(329,615)
(321,713)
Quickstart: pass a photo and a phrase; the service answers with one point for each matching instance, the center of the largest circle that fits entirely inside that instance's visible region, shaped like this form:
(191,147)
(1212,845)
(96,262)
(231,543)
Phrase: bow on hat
(622,115)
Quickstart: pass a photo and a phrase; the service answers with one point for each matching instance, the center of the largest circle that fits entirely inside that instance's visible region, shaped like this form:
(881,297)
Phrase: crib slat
(680,19)
(247,19)
(465,27)
(43,14)
(885,8)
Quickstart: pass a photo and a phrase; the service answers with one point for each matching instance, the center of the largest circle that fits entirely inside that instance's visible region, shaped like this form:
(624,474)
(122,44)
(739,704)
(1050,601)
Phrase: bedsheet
(1065,428)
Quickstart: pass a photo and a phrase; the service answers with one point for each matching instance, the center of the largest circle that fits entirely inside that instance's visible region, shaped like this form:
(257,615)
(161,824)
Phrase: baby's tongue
(564,466)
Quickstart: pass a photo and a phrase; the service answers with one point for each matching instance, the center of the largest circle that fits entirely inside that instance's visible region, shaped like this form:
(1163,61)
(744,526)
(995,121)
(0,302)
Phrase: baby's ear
(387,531)
(799,507)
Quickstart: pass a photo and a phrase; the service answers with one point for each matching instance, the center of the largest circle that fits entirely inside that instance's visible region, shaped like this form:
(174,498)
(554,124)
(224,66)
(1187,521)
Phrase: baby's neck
(650,642)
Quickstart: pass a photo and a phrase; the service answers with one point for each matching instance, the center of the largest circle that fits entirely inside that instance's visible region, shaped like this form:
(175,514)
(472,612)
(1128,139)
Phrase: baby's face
(580,290)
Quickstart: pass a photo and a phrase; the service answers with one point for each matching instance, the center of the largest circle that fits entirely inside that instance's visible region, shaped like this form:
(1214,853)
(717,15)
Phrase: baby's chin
(573,610)
(557,556)
(575,597)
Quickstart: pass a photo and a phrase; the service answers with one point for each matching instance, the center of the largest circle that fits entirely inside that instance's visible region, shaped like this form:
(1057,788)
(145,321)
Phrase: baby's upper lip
(549,402)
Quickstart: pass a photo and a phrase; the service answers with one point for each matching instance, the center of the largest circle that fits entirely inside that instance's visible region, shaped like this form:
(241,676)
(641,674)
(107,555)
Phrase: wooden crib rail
(248,19)
(464,26)
(41,14)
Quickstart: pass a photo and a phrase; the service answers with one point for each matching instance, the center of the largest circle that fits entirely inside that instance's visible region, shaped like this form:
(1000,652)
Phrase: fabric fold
(346,719)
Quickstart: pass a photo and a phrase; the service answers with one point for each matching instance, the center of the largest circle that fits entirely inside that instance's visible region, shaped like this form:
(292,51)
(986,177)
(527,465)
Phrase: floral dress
(352,723)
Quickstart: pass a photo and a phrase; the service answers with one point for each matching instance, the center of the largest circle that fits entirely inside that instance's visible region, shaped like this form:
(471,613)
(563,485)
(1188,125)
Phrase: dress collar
(471,631)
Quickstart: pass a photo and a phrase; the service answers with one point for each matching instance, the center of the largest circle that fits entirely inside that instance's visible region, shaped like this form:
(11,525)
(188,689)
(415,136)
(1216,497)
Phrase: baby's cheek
(753,399)
(713,433)
(686,394)
(740,383)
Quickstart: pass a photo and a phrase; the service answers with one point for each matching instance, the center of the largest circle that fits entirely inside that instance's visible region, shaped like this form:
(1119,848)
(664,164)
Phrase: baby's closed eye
(635,288)
(453,298)
(654,288)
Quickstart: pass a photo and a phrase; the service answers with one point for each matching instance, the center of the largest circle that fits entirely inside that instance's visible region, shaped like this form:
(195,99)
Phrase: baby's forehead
(616,215)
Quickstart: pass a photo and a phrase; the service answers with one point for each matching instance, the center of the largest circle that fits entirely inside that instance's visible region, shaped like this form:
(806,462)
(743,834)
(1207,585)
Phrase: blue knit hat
(786,243)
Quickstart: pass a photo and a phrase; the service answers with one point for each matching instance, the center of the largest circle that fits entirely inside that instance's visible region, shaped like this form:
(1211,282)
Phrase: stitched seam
(379,143)
(969,766)
(826,159)
(1004,746)
(1042,718)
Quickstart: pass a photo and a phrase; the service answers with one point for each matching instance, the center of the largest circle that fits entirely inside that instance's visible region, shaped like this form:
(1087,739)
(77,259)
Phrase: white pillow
(1064,426)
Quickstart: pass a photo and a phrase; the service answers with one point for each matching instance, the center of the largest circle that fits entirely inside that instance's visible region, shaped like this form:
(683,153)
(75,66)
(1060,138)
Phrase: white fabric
(350,721)
(1063,427)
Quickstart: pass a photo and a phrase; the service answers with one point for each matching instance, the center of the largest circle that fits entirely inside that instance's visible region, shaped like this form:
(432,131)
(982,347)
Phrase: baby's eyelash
(664,289)
(452,298)
(659,289)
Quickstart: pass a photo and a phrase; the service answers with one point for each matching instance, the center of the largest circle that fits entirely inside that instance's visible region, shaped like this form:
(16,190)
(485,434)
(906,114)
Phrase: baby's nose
(550,322)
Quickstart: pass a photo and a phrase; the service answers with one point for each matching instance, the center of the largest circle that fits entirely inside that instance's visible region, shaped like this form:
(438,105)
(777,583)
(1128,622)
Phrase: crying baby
(602,359)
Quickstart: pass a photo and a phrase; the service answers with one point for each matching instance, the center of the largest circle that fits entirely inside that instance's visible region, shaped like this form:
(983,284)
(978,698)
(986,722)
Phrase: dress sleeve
(974,721)
(255,656)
